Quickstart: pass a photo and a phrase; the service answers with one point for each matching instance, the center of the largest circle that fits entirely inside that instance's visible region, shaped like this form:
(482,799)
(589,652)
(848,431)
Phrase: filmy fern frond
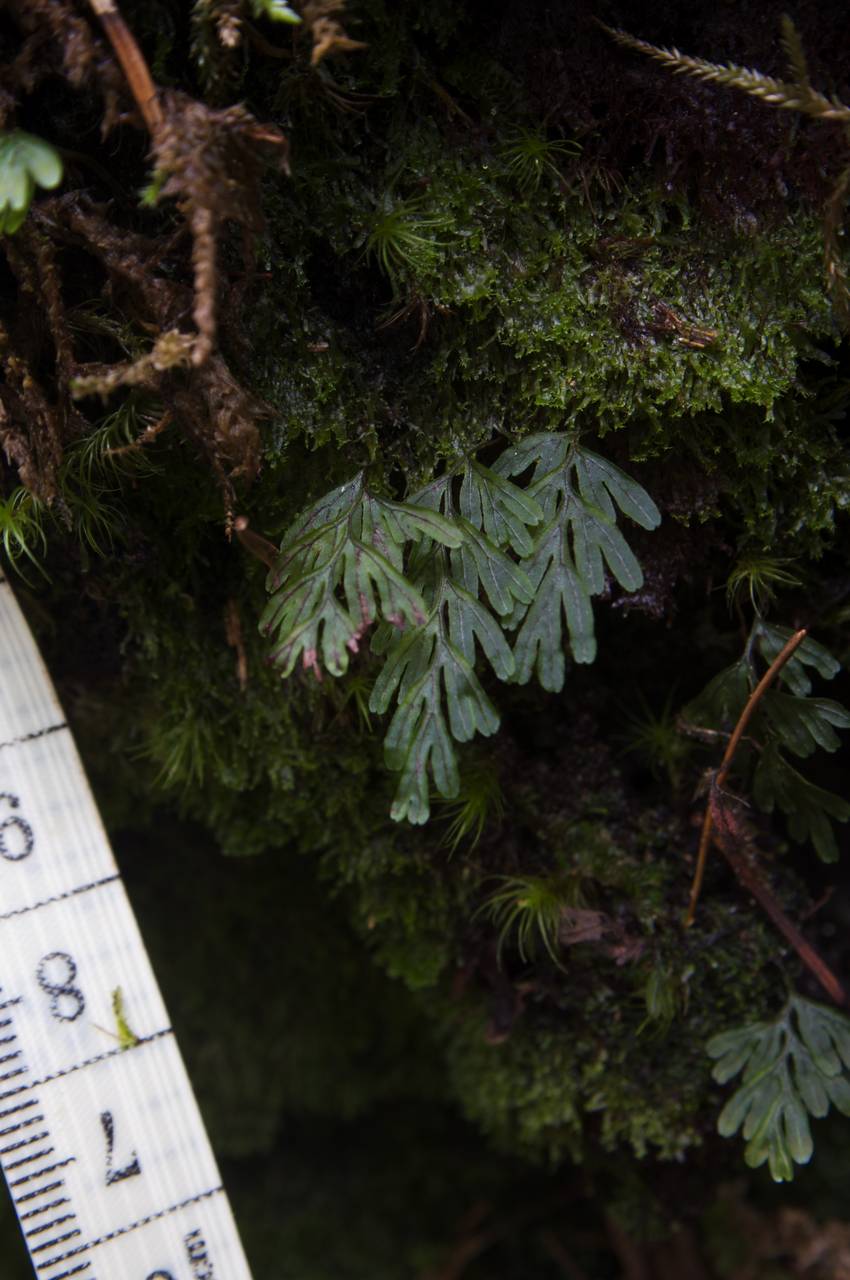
(793,1068)
(340,568)
(26,162)
(788,720)
(447,573)
(430,671)
(807,807)
(770,640)
(579,492)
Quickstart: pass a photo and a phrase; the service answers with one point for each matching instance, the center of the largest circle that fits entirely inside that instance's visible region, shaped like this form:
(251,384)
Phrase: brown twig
(732,842)
(729,755)
(132,63)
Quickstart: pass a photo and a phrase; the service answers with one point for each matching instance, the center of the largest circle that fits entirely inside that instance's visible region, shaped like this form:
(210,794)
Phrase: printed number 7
(116,1175)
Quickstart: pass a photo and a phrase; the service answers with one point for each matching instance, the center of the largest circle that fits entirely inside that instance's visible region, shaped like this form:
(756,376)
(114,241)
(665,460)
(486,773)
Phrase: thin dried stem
(132,63)
(729,755)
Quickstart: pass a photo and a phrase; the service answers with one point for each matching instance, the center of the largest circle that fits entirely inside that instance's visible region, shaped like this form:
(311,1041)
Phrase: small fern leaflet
(579,493)
(437,660)
(349,542)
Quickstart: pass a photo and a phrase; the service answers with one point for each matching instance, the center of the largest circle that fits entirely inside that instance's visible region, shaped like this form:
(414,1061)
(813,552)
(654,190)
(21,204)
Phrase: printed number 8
(21,846)
(61,991)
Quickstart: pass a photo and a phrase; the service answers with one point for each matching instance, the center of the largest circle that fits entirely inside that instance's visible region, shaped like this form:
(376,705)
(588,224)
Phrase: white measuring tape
(101,1140)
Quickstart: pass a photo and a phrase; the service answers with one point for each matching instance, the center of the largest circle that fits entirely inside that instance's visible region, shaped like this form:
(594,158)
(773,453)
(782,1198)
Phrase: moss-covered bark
(497,222)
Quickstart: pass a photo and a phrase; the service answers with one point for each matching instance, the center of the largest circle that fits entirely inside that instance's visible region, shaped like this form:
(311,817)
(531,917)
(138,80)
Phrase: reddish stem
(728,756)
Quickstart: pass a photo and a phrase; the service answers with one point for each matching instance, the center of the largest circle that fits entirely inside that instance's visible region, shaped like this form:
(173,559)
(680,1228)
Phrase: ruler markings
(59,897)
(41,1191)
(11,1093)
(21,1124)
(48,1226)
(101,1057)
(132,1226)
(40,1173)
(37,733)
(34,1213)
(75,1271)
(10,1075)
(21,1106)
(24,1142)
(51,1244)
(37,1155)
(76,956)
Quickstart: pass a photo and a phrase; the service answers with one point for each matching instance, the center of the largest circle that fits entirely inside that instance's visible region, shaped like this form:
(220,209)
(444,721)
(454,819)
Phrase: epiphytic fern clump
(464,563)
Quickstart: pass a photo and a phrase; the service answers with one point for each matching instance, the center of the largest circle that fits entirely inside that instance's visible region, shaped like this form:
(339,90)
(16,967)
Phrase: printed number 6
(14,847)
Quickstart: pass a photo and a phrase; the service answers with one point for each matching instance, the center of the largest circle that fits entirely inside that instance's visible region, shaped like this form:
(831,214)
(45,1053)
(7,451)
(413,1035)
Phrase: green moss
(704,341)
(407,905)
(419,294)
(585,1066)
